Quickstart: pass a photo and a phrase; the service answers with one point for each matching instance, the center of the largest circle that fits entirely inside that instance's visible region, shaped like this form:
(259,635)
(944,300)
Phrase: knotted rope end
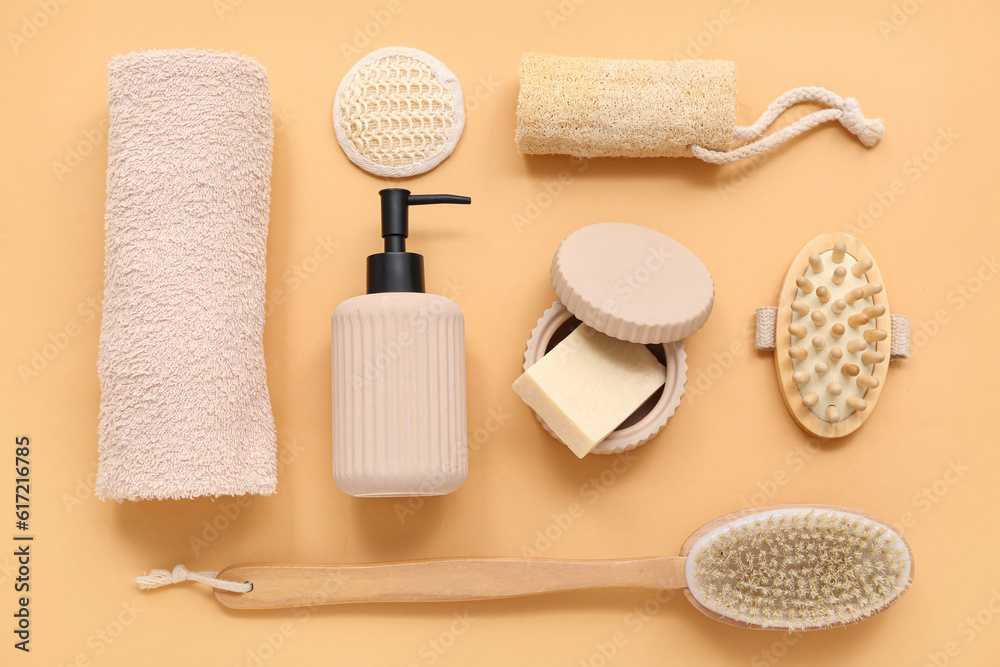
(869,130)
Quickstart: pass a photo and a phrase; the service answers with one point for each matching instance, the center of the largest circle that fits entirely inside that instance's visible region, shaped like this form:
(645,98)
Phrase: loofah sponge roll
(593,107)
(597,107)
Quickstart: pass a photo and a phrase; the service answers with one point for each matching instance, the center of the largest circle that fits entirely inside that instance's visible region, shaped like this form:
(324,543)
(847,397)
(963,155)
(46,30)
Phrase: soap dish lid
(632,282)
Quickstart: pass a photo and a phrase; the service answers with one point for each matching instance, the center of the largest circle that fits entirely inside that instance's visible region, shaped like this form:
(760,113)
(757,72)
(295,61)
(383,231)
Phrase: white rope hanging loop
(158,578)
(846,110)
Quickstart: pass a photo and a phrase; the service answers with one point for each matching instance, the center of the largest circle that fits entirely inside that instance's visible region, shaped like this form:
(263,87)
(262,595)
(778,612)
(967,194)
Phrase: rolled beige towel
(185,409)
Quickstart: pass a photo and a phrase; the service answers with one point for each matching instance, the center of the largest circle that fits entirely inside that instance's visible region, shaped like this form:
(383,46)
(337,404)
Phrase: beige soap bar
(588,385)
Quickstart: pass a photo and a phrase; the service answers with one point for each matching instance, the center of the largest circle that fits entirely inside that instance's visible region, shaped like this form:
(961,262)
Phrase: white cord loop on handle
(846,110)
(158,578)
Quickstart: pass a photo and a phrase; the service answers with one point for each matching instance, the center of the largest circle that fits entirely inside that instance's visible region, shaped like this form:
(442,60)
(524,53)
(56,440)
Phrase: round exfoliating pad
(632,283)
(399,112)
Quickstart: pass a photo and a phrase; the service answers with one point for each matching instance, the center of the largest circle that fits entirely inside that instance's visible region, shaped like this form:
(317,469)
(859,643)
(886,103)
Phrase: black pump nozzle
(396,270)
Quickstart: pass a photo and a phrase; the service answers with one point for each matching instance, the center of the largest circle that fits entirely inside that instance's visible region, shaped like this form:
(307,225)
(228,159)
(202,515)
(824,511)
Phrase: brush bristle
(800,570)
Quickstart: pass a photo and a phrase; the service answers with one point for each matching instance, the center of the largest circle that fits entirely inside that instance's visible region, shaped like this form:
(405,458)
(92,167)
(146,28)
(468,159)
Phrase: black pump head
(396,270)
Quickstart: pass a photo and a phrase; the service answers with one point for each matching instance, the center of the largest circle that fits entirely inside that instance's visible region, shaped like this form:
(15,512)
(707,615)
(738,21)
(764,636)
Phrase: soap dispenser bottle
(399,415)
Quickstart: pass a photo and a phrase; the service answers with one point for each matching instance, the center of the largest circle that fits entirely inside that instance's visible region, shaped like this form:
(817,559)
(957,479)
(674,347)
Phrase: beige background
(923,201)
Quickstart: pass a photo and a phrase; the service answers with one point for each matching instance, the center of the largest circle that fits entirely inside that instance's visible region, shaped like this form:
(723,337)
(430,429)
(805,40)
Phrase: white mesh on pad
(399,112)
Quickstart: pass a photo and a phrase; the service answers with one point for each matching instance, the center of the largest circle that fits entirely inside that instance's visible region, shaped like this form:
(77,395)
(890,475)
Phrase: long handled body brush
(783,567)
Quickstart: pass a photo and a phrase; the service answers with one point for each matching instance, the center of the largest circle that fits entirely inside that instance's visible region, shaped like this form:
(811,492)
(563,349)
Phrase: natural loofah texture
(594,107)
(185,409)
(800,569)
(398,112)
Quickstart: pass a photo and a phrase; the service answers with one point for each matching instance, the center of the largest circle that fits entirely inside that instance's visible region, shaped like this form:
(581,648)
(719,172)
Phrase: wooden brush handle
(280,585)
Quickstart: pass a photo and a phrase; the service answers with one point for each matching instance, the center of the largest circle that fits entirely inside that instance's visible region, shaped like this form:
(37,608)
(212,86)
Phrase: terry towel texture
(185,410)
(596,107)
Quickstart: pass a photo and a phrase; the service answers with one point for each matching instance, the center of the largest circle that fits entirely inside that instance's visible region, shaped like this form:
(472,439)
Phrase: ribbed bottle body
(399,404)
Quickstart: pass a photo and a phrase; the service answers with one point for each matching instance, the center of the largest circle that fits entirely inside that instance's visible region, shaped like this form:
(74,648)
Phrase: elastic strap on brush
(846,110)
(765,332)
